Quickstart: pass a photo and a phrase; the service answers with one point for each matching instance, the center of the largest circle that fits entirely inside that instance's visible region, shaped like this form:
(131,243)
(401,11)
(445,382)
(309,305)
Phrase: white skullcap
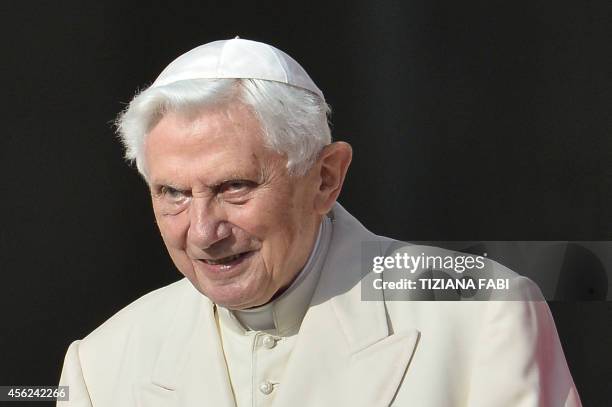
(237,59)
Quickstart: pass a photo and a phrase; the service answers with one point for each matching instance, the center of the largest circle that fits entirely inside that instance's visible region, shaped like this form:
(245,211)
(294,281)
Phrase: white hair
(293,121)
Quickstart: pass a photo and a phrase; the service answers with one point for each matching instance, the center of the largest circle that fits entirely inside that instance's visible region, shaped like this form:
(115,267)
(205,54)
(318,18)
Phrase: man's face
(233,220)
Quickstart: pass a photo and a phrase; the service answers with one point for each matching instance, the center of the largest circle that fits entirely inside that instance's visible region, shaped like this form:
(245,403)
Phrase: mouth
(225,260)
(225,267)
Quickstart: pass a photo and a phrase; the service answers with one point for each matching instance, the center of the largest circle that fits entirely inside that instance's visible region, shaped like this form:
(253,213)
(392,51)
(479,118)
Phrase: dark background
(469,120)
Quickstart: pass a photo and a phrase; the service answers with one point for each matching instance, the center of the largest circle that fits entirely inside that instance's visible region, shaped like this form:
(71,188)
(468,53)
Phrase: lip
(222,271)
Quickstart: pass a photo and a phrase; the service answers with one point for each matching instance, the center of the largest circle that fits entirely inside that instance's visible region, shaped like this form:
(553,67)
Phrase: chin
(232,296)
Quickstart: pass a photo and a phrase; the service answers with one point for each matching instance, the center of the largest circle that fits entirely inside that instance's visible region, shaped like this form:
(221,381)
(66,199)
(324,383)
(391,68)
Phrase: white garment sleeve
(520,360)
(72,376)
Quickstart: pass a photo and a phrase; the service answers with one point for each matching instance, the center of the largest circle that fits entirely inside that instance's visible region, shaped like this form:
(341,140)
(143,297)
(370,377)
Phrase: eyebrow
(236,176)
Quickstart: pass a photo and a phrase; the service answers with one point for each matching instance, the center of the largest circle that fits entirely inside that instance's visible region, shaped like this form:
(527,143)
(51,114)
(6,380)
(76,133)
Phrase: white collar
(284,315)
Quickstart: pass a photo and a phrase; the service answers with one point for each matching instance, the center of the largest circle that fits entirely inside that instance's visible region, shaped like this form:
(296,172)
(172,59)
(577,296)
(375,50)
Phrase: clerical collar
(284,315)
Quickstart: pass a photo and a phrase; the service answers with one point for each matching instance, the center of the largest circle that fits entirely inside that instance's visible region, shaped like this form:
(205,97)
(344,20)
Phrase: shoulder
(142,324)
(154,306)
(125,348)
(445,310)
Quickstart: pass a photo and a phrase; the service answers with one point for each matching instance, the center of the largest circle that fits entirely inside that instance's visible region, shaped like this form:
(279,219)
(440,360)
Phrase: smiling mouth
(225,260)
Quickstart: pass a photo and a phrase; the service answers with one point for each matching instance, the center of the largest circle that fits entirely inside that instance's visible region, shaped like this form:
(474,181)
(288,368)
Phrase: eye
(236,189)
(235,185)
(171,194)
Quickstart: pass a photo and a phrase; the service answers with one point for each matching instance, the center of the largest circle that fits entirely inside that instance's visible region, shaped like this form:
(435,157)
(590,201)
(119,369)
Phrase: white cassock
(320,345)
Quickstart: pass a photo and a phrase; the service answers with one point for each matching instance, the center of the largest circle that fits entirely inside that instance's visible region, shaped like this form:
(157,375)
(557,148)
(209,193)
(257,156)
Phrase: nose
(208,224)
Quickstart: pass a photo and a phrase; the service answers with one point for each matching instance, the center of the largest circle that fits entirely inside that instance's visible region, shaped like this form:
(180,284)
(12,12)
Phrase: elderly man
(232,139)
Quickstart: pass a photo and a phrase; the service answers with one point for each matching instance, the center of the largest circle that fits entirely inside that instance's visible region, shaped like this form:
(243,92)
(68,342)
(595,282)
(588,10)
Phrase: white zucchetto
(237,59)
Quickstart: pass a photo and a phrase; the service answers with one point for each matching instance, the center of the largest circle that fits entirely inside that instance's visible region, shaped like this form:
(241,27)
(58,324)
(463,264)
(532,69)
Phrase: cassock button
(269,342)
(266,387)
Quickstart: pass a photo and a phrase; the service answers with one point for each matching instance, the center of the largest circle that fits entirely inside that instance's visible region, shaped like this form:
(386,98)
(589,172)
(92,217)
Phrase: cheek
(173,230)
(265,218)
(281,228)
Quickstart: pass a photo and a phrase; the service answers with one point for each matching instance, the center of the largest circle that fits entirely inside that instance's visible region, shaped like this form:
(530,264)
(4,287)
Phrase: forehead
(206,146)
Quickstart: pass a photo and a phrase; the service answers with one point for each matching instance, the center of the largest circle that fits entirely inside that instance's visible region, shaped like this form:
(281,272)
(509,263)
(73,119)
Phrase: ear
(332,166)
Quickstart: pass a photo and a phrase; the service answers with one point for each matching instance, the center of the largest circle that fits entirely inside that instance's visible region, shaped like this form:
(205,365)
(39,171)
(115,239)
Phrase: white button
(269,342)
(266,387)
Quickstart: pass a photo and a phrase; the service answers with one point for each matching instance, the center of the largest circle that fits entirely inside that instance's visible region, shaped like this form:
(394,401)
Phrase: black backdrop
(469,120)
